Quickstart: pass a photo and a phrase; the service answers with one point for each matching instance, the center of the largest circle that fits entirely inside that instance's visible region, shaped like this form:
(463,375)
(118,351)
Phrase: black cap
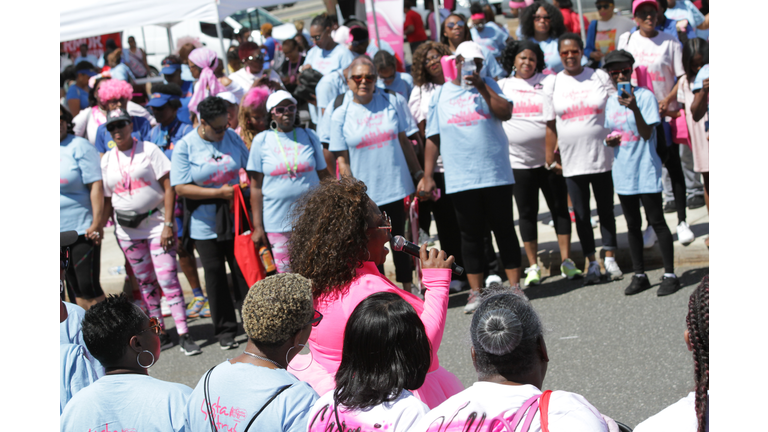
(67,238)
(118,115)
(618,56)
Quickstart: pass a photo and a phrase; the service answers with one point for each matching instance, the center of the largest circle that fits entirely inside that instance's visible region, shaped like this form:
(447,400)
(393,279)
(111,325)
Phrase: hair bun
(499,331)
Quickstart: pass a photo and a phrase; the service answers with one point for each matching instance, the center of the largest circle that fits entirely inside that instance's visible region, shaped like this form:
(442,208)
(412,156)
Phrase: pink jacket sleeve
(435,308)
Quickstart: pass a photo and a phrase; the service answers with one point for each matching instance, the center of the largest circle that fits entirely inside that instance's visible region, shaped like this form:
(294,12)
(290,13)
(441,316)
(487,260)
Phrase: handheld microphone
(402,245)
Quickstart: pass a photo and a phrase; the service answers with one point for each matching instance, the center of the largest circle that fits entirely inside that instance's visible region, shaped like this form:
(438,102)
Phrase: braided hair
(697,322)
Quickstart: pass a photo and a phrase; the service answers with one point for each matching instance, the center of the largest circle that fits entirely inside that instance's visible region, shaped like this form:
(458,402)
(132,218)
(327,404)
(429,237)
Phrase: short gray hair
(277,307)
(361,59)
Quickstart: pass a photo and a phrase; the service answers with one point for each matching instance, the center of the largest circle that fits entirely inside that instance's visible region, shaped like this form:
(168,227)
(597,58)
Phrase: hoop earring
(312,357)
(273,125)
(139,361)
(367,255)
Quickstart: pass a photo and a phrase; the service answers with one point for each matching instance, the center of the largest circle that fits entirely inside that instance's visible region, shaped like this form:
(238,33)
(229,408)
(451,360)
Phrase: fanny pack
(131,219)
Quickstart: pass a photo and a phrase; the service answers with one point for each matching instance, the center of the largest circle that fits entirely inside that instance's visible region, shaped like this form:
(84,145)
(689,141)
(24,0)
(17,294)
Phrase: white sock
(610,259)
(642,275)
(672,275)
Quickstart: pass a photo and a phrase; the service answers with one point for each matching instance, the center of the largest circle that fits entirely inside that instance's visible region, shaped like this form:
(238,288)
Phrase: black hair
(110,45)
(565,4)
(663,4)
(305,42)
(444,38)
(92,99)
(359,33)
(505,333)
(475,8)
(70,72)
(67,118)
(383,60)
(232,56)
(169,89)
(212,108)
(108,327)
(697,324)
(570,36)
(386,350)
(515,47)
(85,65)
(690,49)
(556,25)
(290,44)
(322,20)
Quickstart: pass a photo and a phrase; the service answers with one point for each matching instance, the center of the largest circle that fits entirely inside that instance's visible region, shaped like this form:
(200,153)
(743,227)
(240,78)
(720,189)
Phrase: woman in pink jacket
(338,239)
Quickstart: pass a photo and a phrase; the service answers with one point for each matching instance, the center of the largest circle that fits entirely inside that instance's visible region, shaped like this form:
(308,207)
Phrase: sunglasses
(154,325)
(281,110)
(360,78)
(616,72)
(259,57)
(388,227)
(64,257)
(363,42)
(459,23)
(603,6)
(317,38)
(541,17)
(218,130)
(116,125)
(430,60)
(316,319)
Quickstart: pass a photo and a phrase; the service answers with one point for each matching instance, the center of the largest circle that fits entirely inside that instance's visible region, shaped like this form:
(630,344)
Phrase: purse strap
(274,396)
(207,398)
(544,409)
(239,210)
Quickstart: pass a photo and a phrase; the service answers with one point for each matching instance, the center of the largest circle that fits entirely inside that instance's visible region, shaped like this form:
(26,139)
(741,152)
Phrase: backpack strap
(274,396)
(207,398)
(338,101)
(544,409)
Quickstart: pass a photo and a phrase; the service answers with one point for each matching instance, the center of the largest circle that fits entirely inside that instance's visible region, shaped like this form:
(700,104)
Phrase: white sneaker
(593,274)
(551,223)
(473,302)
(649,237)
(612,270)
(491,279)
(593,222)
(684,234)
(164,307)
(456,286)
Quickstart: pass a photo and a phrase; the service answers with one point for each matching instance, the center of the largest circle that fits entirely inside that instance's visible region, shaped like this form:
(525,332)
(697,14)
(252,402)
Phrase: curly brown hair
(329,239)
(419,70)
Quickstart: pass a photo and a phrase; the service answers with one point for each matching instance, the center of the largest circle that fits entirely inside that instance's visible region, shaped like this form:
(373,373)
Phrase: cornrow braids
(697,322)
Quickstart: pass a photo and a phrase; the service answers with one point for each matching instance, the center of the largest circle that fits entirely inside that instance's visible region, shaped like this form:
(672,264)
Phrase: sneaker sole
(571,277)
(233,346)
(615,278)
(688,242)
(190,353)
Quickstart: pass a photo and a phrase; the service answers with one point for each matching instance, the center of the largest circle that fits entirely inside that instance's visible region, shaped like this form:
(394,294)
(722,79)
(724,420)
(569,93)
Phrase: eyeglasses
(316,319)
(281,110)
(154,325)
(459,23)
(64,258)
(360,78)
(388,227)
(218,130)
(541,17)
(603,6)
(389,78)
(116,125)
(616,72)
(317,38)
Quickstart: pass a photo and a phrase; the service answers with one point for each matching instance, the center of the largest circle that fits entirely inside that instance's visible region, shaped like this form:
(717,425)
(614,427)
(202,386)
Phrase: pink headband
(478,16)
(520,5)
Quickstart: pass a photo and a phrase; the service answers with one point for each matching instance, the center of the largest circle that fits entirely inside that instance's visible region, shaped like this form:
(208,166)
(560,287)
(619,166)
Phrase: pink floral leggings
(155,268)
(279,242)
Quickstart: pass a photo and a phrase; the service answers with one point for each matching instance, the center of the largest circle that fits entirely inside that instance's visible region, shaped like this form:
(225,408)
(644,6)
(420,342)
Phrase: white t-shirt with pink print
(133,184)
(579,103)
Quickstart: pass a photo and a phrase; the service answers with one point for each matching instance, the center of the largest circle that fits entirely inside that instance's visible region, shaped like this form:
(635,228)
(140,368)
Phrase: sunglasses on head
(116,125)
(316,319)
(282,109)
(154,325)
(616,72)
(360,78)
(458,23)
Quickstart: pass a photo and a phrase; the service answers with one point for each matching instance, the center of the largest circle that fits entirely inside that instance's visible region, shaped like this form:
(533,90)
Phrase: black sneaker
(696,201)
(165,341)
(670,207)
(228,342)
(638,284)
(669,285)
(188,346)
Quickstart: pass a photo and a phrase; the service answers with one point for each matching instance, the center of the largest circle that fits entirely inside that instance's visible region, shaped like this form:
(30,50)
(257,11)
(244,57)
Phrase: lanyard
(122,174)
(170,133)
(295,170)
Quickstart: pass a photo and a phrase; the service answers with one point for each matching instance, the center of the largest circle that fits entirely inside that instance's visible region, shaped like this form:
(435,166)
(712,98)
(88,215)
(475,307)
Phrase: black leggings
(84,269)
(213,253)
(654,212)
(445,220)
(602,186)
(675,169)
(396,212)
(492,206)
(527,185)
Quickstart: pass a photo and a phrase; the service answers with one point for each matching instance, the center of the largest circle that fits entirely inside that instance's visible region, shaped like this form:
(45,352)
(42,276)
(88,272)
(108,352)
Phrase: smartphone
(625,88)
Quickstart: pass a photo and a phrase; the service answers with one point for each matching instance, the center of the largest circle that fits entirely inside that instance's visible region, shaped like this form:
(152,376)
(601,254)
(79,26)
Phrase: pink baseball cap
(637,3)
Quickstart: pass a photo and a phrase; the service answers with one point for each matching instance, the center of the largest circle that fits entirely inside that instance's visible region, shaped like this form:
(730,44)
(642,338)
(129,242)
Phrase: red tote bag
(245,251)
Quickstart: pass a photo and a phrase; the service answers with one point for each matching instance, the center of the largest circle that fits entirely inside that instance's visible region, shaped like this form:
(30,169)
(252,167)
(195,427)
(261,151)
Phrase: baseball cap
(160,99)
(469,50)
(228,96)
(170,65)
(618,56)
(88,72)
(117,115)
(637,3)
(67,238)
(277,97)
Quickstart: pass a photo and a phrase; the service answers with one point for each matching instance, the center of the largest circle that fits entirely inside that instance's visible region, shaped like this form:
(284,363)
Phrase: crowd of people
(481,119)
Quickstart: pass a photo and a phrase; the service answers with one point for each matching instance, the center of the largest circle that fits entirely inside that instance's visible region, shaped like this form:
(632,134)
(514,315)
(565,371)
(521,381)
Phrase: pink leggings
(155,268)
(279,242)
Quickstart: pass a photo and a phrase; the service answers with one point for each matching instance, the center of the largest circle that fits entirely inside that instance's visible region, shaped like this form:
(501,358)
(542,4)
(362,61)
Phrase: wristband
(419,174)
(168,224)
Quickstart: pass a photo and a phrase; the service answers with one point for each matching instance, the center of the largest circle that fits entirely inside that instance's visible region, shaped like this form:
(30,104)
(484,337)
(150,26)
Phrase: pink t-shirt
(662,55)
(579,103)
(531,109)
(133,186)
(697,131)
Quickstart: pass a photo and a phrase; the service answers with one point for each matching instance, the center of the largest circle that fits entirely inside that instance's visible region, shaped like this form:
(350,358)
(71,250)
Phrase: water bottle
(467,69)
(117,270)
(267,260)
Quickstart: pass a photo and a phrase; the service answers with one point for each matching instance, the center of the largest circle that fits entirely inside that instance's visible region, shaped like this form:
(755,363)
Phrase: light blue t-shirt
(76,372)
(698,84)
(636,165)
(79,165)
(491,66)
(552,56)
(238,391)
(122,72)
(473,144)
(329,87)
(491,37)
(210,165)
(685,10)
(324,127)
(186,75)
(165,137)
(402,84)
(373,49)
(282,187)
(370,133)
(127,402)
(71,332)
(76,92)
(325,62)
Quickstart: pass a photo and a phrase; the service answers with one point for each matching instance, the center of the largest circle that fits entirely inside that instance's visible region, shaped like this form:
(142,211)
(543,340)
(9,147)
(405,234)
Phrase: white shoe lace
(532,269)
